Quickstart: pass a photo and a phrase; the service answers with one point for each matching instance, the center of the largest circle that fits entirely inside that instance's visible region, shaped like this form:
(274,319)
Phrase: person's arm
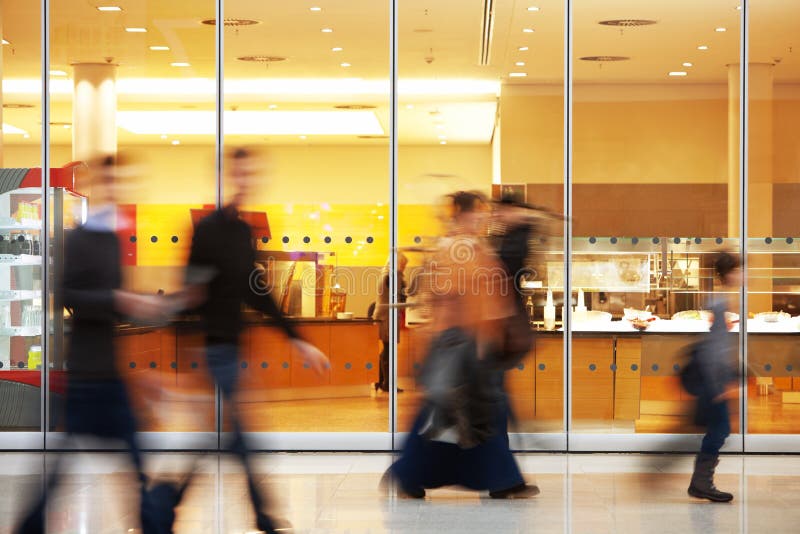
(79,296)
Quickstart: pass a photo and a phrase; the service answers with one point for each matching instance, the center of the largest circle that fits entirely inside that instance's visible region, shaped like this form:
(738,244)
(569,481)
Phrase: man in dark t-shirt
(222,276)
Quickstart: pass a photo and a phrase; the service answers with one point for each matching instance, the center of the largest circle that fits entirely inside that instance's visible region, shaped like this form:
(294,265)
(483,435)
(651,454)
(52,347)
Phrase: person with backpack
(711,375)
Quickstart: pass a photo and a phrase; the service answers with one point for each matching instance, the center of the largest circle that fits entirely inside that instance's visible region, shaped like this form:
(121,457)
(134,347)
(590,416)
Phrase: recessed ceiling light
(181,64)
(327,30)
(66,126)
(346,65)
(109,8)
(523,48)
(677,73)
(273,106)
(738,8)
(57,73)
(6,42)
(518,74)
(303,137)
(442,142)
(409,106)
(336,49)
(26,136)
(687,64)
(136,30)
(702,47)
(533,8)
(520,63)
(720,29)
(527,30)
(159,48)
(163,136)
(176,142)
(315,8)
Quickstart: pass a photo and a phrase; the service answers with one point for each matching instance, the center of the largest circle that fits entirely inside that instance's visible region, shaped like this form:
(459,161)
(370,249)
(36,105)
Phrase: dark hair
(725,263)
(465,202)
(241,153)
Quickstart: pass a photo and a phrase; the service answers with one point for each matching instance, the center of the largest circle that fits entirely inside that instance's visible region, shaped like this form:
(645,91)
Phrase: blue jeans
(717,419)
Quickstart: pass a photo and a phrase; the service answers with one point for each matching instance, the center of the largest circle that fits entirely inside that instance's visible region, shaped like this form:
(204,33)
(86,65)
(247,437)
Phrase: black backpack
(691,377)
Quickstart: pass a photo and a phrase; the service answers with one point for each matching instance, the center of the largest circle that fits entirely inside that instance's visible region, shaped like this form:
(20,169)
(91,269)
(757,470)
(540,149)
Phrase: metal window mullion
(393,216)
(219,98)
(44,237)
(744,108)
(566,318)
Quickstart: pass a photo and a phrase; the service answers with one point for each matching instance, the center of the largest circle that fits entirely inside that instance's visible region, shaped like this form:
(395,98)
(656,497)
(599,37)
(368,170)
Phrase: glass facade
(656,134)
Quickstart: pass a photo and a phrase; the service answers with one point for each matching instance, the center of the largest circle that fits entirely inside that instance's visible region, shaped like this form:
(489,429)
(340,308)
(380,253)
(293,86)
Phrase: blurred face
(243,173)
(734,278)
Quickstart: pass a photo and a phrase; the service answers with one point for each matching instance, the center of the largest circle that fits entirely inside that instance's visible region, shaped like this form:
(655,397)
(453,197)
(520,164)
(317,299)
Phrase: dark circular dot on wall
(264,365)
(285,365)
(592,240)
(613,240)
(634,240)
(132,365)
(1,365)
(592,367)
(348,240)
(153,239)
(173,365)
(655,367)
(370,240)
(306,240)
(790,240)
(285,239)
(264,239)
(195,365)
(697,240)
(521,367)
(133,239)
(789,368)
(676,367)
(718,241)
(152,365)
(348,365)
(306,365)
(369,365)
(614,367)
(174,239)
(416,365)
(418,240)
(634,367)
(244,365)
(677,240)
(542,367)
(327,239)
(768,367)
(768,240)
(656,240)
(20,365)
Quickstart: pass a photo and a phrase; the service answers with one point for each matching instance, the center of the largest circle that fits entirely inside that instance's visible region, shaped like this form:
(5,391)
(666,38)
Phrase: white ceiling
(439,45)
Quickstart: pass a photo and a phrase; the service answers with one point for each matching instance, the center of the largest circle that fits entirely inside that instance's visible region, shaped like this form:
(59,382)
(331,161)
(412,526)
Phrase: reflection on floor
(339,493)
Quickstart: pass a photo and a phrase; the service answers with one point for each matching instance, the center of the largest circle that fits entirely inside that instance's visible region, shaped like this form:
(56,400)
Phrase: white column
(94,110)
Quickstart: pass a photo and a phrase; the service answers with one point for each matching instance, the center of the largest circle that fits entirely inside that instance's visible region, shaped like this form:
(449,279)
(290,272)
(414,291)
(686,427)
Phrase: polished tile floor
(339,493)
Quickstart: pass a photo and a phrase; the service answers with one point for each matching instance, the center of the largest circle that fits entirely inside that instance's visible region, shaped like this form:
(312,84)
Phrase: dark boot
(702,485)
(522,491)
(272,525)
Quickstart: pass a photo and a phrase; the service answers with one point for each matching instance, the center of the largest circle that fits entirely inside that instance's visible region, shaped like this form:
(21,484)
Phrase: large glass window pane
(306,89)
(139,82)
(773,270)
(481,109)
(21,316)
(655,193)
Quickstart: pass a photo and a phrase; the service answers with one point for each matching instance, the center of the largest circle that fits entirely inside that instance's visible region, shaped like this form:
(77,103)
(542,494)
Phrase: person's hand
(730,393)
(312,355)
(142,307)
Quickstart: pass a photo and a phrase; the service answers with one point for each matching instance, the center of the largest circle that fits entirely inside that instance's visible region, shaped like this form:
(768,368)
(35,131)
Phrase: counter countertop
(250,320)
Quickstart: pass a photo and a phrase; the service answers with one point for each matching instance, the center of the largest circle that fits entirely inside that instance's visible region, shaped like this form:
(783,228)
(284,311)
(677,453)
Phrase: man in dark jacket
(222,276)
(716,361)
(97,400)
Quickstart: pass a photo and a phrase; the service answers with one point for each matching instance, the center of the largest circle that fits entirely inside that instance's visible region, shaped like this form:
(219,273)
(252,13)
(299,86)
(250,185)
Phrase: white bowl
(344,315)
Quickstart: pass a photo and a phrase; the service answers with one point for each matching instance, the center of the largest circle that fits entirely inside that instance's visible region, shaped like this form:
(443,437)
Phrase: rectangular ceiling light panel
(251,122)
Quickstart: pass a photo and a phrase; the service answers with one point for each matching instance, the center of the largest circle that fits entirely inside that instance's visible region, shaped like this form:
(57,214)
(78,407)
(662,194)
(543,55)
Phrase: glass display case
(21,286)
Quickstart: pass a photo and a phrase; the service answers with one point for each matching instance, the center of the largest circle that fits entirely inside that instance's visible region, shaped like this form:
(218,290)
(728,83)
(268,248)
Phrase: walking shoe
(702,485)
(522,491)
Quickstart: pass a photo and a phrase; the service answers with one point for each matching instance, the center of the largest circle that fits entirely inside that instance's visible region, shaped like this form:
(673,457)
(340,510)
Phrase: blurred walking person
(460,436)
(711,375)
(97,402)
(382,316)
(219,277)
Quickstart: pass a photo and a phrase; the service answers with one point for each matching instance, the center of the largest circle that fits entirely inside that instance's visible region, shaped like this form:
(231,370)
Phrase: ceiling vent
(262,59)
(60,123)
(487,29)
(354,106)
(17,106)
(231,23)
(605,58)
(373,137)
(627,23)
